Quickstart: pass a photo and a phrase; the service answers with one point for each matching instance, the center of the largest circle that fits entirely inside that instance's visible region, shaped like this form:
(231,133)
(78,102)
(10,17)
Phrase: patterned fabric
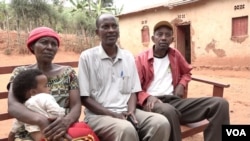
(60,86)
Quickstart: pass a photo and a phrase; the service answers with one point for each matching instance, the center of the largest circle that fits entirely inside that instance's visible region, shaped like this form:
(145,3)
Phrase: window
(240,26)
(145,37)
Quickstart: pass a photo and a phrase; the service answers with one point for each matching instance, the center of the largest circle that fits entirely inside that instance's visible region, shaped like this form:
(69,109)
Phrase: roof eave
(169,4)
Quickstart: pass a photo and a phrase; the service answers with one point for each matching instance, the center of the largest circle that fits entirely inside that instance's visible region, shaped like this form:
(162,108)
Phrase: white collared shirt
(108,82)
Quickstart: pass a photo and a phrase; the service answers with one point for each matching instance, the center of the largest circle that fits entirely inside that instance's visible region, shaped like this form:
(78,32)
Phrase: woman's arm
(75,107)
(59,126)
(11,136)
(74,99)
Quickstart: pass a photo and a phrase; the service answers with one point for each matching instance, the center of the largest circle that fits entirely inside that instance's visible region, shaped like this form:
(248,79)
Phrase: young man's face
(162,38)
(108,30)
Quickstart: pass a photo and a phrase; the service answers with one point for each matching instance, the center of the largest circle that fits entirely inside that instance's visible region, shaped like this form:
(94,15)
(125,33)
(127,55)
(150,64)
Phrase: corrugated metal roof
(168,3)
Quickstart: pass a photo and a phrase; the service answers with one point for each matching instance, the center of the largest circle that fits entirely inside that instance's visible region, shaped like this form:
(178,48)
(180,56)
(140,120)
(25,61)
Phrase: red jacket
(181,70)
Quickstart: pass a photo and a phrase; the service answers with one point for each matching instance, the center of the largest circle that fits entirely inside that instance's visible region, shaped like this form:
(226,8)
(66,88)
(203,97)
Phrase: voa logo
(236,132)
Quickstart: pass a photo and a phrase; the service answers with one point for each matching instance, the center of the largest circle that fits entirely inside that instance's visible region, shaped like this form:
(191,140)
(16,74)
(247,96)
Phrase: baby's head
(29,82)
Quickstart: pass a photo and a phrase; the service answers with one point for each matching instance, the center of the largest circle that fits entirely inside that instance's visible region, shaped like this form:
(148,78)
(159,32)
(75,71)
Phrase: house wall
(211,29)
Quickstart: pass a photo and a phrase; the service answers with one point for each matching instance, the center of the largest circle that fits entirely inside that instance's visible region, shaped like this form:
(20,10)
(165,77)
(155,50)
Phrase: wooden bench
(187,130)
(197,127)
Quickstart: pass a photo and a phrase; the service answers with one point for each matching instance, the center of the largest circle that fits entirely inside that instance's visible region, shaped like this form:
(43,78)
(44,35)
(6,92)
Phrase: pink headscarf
(39,32)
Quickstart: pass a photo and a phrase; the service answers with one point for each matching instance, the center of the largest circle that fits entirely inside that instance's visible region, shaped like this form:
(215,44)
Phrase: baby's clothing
(44,104)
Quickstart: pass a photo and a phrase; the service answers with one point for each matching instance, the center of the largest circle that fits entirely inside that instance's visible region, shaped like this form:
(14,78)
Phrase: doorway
(183,42)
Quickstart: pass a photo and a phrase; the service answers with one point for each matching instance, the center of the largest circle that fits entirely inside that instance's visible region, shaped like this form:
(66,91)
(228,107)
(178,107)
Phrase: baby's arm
(19,111)
(53,108)
(44,104)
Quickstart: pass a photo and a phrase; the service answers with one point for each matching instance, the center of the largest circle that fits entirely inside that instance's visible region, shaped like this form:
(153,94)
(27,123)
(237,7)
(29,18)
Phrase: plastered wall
(210,26)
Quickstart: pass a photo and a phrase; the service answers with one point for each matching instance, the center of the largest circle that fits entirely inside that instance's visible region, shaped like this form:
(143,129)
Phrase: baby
(30,87)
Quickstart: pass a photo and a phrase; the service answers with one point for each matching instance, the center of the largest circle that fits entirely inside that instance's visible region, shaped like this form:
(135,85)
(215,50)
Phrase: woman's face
(45,49)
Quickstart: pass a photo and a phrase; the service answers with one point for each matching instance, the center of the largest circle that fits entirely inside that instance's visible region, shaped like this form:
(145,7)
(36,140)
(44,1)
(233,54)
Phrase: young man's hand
(179,90)
(149,105)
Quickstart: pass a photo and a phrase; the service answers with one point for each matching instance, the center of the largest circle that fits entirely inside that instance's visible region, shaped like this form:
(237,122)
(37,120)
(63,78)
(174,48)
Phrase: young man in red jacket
(164,74)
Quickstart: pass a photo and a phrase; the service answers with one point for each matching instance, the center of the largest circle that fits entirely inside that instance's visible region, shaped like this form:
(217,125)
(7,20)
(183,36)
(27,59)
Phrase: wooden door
(183,41)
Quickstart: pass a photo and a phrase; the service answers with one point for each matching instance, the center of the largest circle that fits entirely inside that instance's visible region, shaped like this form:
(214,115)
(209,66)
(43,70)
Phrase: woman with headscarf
(44,42)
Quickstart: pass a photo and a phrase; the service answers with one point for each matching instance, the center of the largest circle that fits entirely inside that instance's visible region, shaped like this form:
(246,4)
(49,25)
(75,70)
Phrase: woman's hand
(57,129)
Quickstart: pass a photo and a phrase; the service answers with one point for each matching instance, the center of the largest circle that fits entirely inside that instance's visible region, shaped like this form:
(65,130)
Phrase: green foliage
(37,12)
(91,9)
(24,15)
(4,14)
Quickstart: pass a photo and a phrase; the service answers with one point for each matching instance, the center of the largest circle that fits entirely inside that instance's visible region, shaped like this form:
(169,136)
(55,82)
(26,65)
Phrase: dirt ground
(238,94)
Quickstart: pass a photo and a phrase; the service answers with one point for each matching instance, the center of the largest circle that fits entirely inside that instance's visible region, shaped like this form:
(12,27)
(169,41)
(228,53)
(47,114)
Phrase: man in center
(108,82)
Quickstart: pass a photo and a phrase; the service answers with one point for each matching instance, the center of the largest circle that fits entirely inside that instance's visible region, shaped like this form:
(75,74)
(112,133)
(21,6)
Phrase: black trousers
(181,111)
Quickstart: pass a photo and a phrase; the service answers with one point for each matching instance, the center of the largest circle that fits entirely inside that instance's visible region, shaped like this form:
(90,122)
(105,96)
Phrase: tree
(92,9)
(5,17)
(24,15)
(37,12)
(3,14)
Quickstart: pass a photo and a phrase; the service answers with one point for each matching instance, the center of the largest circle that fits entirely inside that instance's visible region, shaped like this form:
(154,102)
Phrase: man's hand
(179,90)
(120,116)
(151,100)
(132,115)
(132,119)
(57,129)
